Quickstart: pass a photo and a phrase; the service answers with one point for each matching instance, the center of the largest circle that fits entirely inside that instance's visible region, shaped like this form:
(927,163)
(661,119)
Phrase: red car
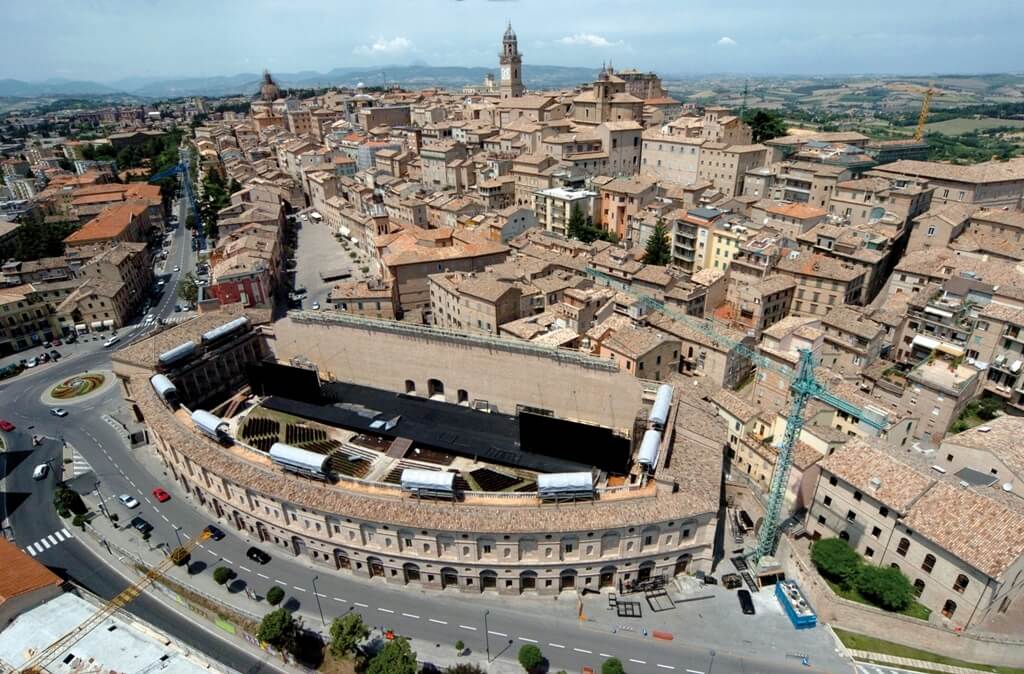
(6,426)
(160,495)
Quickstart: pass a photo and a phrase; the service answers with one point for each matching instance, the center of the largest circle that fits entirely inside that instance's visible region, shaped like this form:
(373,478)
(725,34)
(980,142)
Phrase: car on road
(31,362)
(316,306)
(257,555)
(59,412)
(111,342)
(41,471)
(746,603)
(43,357)
(56,342)
(6,426)
(141,525)
(54,353)
(177,268)
(47,345)
(215,533)
(150,318)
(128,501)
(160,495)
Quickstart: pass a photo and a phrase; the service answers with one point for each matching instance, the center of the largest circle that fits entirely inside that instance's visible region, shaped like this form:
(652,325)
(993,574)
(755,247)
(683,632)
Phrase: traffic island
(79,387)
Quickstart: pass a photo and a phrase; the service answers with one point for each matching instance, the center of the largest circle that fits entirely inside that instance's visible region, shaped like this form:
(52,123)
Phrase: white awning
(344,231)
(938,312)
(926,342)
(1015,367)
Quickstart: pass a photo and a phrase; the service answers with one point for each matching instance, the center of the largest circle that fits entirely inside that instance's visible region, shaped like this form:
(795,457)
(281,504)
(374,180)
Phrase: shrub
(836,560)
(465,668)
(79,521)
(531,658)
(612,666)
(279,629)
(275,595)
(223,574)
(397,657)
(459,647)
(885,587)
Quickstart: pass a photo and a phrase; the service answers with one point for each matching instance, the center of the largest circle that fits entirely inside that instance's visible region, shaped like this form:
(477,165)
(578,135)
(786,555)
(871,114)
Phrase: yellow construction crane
(38,661)
(922,118)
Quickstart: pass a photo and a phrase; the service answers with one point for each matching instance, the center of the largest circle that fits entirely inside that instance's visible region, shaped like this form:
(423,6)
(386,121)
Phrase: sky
(107,40)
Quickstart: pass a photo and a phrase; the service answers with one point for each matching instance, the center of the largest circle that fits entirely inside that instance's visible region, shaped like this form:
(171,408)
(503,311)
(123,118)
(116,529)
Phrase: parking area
(318,252)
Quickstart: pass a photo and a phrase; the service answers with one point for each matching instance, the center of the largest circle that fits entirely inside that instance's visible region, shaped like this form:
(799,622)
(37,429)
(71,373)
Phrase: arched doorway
(528,580)
(463,398)
(644,572)
(682,562)
(607,577)
(449,577)
(410,387)
(949,608)
(567,580)
(376,567)
(844,536)
(411,572)
(341,559)
(488,580)
(435,389)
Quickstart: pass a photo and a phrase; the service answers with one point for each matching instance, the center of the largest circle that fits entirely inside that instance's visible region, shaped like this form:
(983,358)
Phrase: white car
(316,306)
(177,268)
(59,412)
(128,501)
(111,342)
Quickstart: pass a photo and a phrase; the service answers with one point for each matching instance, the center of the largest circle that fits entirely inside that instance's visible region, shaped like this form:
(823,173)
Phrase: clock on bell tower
(511,62)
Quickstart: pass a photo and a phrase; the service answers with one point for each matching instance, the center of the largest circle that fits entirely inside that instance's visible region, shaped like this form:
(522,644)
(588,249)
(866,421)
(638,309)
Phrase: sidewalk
(862,656)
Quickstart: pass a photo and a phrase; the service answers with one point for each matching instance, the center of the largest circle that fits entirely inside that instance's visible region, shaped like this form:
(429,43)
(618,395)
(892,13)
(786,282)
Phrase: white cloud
(726,41)
(383,47)
(588,40)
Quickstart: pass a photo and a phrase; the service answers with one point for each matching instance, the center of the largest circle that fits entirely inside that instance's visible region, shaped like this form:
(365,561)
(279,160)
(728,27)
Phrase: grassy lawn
(863,643)
(961,125)
(915,610)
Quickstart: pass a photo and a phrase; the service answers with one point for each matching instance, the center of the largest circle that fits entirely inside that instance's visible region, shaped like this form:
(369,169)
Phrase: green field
(961,125)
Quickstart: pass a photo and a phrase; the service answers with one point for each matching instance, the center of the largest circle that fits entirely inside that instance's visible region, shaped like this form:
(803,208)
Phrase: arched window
(844,536)
(410,386)
(928,564)
(949,608)
(961,583)
(903,546)
(918,587)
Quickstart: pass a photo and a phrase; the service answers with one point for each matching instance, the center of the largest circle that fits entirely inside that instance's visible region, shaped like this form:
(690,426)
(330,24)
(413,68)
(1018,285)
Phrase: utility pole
(318,606)
(177,533)
(103,504)
(487,637)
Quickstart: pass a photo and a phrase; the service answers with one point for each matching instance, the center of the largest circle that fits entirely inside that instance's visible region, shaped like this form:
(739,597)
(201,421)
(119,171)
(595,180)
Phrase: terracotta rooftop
(986,172)
(21,574)
(876,473)
(821,266)
(110,224)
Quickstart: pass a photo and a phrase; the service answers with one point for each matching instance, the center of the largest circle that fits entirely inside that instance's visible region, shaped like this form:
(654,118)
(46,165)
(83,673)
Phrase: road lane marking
(694,671)
(361,604)
(320,594)
(606,655)
(245,569)
(155,509)
(468,627)
(147,499)
(497,634)
(280,582)
(66,533)
(300,589)
(31,551)
(227,560)
(583,650)
(263,576)
(343,601)
(384,610)
(439,622)
(639,662)
(411,615)
(665,666)
(165,518)
(529,641)
(553,645)
(211,552)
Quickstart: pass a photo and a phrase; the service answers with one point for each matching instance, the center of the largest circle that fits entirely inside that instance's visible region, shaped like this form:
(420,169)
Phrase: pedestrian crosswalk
(47,542)
(79,466)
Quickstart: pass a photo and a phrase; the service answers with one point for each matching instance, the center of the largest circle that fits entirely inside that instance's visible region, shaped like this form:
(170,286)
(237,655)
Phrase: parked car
(41,471)
(215,533)
(141,525)
(54,353)
(6,426)
(70,339)
(257,555)
(316,306)
(128,501)
(161,495)
(111,342)
(43,357)
(746,603)
(177,268)
(31,362)
(56,342)
(59,412)
(47,345)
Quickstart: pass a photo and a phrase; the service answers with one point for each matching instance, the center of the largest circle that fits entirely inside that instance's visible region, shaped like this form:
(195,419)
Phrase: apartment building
(471,303)
(989,455)
(852,341)
(822,283)
(938,226)
(722,364)
(752,307)
(992,184)
(725,166)
(781,344)
(554,207)
(125,222)
(668,158)
(791,219)
(27,318)
(622,199)
(864,247)
(872,199)
(807,182)
(997,340)
(641,351)
(125,263)
(96,304)
(961,547)
(372,299)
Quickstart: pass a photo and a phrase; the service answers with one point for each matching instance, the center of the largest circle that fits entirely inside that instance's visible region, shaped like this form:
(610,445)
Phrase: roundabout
(78,387)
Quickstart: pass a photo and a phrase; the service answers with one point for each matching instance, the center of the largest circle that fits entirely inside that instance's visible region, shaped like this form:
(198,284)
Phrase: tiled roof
(634,342)
(109,224)
(813,264)
(986,172)
(734,405)
(877,473)
(21,574)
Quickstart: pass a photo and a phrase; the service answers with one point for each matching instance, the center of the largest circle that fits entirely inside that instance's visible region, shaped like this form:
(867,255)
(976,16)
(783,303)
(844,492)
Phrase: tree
(577,223)
(397,657)
(658,249)
(531,658)
(279,629)
(347,633)
(69,500)
(612,666)
(275,595)
(836,560)
(459,647)
(885,587)
(765,124)
(223,574)
(188,290)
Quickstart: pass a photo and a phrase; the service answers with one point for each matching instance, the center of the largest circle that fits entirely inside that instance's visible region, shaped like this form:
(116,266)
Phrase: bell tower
(511,62)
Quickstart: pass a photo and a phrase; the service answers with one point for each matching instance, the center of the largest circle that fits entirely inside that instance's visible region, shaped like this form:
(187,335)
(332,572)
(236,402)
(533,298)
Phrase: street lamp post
(487,636)
(103,503)
(318,606)
(177,533)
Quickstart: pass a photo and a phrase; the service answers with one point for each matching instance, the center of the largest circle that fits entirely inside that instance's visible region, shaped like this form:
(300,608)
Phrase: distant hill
(411,76)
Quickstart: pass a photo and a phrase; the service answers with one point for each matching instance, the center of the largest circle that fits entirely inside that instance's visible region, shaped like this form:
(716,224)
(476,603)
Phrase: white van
(41,471)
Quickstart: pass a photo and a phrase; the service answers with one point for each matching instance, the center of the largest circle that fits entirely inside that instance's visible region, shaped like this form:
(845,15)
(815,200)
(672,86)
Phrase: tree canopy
(885,587)
(347,633)
(279,629)
(397,657)
(765,124)
(836,560)
(659,250)
(531,658)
